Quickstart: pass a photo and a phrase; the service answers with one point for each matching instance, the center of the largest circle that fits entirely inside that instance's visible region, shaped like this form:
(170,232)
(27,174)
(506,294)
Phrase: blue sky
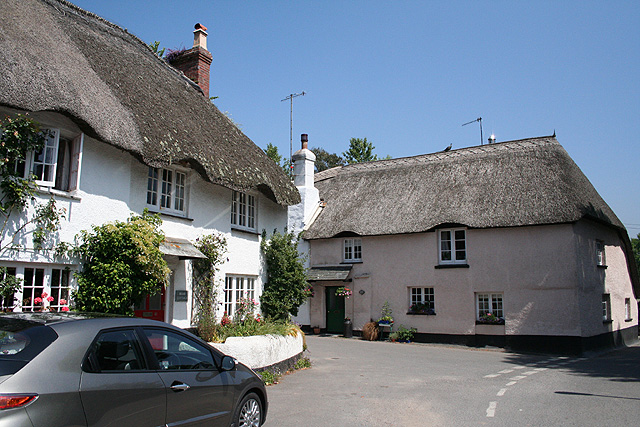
(407,74)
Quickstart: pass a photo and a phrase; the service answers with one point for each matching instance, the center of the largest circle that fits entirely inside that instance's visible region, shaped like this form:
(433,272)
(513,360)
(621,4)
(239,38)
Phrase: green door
(335,310)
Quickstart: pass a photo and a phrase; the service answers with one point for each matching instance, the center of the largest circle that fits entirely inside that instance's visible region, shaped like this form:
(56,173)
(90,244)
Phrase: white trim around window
(236,287)
(57,165)
(44,288)
(452,246)
(352,250)
(167,190)
(243,211)
(489,303)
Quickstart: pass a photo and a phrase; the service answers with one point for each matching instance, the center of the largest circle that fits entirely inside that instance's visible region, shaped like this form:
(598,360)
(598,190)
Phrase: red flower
(64,309)
(37,300)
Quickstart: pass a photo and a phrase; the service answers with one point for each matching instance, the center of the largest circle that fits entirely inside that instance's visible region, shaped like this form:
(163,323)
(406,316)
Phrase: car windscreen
(21,341)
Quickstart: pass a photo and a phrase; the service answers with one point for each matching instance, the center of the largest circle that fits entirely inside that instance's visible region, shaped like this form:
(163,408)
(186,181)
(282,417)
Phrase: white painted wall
(113,186)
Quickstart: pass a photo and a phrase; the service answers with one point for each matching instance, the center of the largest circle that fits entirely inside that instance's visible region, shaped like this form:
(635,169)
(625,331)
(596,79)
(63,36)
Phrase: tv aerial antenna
(290,98)
(479,120)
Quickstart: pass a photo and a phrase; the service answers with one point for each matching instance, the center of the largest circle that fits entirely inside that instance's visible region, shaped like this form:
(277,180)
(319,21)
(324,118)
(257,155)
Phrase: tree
(122,264)
(286,287)
(273,154)
(326,160)
(360,150)
(635,244)
(18,137)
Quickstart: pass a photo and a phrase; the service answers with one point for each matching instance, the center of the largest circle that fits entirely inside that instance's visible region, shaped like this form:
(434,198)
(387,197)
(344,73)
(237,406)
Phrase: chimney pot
(200,36)
(305,140)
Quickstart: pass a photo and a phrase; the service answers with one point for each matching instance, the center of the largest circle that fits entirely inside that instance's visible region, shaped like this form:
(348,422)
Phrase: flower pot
(316,331)
(348,328)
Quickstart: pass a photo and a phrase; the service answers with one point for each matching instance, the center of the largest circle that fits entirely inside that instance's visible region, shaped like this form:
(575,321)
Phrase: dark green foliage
(326,160)
(122,265)
(635,244)
(273,154)
(286,287)
(360,150)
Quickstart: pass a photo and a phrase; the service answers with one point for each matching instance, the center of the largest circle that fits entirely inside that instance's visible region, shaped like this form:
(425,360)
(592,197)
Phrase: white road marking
(511,383)
(492,375)
(491,410)
(518,377)
(519,367)
(540,369)
(502,392)
(529,372)
(506,371)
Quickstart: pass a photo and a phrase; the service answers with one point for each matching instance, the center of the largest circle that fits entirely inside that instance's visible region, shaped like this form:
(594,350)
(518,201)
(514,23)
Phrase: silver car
(81,370)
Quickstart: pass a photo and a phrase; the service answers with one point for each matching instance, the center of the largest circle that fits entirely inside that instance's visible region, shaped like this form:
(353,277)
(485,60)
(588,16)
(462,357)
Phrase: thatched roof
(516,183)
(57,57)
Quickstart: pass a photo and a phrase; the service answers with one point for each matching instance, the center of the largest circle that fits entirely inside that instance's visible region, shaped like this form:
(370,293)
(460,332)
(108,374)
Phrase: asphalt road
(360,383)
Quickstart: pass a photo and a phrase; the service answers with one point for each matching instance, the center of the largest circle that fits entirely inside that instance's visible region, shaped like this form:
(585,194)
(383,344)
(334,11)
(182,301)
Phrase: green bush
(122,264)
(286,288)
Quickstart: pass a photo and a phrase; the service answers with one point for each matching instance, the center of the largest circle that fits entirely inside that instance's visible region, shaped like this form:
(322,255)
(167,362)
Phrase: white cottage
(130,132)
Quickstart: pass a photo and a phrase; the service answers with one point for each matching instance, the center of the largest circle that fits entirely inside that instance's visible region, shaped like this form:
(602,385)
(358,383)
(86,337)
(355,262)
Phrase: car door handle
(178,386)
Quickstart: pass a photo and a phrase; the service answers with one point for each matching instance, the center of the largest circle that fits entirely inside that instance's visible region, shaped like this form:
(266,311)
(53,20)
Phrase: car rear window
(21,341)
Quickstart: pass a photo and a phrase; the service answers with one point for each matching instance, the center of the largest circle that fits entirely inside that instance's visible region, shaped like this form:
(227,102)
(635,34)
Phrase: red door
(152,307)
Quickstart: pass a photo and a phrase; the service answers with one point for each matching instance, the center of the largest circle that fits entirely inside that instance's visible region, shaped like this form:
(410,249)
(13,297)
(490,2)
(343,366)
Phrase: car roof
(69,318)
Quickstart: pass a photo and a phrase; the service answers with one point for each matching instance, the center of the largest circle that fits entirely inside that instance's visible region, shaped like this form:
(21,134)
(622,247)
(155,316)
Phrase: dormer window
(243,211)
(166,190)
(352,250)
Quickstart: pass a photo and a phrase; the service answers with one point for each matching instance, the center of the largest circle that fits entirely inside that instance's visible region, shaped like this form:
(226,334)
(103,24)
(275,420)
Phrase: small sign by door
(182,296)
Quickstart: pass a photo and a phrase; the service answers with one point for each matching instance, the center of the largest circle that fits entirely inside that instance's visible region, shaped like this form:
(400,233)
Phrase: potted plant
(490,319)
(403,334)
(343,291)
(316,330)
(421,308)
(386,317)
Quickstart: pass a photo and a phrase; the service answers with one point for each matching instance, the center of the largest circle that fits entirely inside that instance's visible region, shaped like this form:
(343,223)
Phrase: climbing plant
(213,247)
(19,137)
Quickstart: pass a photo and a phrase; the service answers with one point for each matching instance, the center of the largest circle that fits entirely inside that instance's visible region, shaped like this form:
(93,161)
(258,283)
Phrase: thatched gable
(516,183)
(57,57)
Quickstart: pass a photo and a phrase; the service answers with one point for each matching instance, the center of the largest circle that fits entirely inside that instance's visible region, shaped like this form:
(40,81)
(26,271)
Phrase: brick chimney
(195,62)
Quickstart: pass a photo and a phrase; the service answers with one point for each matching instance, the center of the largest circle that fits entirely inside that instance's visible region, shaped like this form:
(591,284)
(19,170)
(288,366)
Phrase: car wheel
(249,412)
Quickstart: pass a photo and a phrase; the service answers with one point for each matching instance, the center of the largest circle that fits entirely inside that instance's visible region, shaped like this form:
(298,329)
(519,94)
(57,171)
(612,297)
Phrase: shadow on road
(618,365)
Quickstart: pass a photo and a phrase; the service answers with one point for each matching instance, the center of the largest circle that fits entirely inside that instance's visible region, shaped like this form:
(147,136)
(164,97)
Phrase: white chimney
(200,36)
(303,164)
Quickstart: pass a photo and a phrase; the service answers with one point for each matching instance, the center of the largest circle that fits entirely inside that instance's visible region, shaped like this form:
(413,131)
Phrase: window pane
(179,191)
(152,187)
(234,208)
(119,351)
(165,196)
(177,352)
(32,289)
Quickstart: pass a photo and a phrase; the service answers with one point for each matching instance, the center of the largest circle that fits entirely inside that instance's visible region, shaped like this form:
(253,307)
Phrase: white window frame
(489,302)
(48,159)
(352,250)
(453,245)
(422,295)
(38,279)
(236,287)
(167,190)
(601,260)
(244,211)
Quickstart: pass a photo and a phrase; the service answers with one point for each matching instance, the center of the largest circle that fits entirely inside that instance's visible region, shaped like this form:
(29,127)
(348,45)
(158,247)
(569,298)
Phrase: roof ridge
(439,155)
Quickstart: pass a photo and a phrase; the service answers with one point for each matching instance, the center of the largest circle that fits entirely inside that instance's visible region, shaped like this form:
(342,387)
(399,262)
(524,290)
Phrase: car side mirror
(228,363)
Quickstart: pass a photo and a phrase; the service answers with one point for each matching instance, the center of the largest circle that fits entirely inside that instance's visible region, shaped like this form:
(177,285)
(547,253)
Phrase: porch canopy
(181,248)
(329,273)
